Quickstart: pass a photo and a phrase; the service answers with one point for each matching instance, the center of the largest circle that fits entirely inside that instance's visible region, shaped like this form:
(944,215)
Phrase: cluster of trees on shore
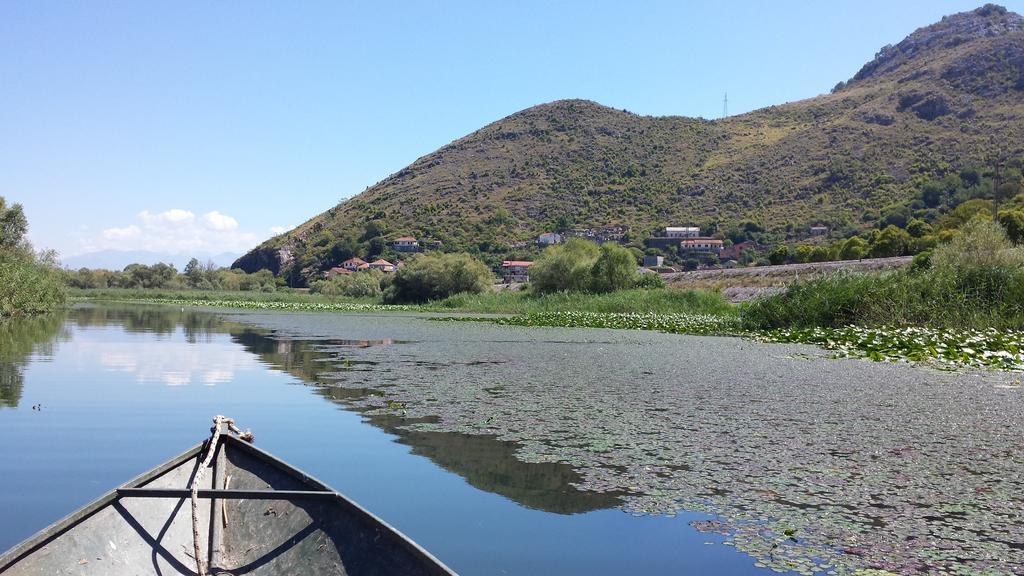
(29,281)
(577,266)
(160,275)
(423,278)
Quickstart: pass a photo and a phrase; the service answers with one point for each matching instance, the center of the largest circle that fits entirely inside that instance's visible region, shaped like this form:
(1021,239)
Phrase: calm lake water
(124,388)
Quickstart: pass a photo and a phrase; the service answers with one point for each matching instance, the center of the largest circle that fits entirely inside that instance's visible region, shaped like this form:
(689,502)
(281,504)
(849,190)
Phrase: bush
(437,276)
(28,284)
(564,267)
(615,269)
(649,281)
(976,280)
(364,284)
(582,266)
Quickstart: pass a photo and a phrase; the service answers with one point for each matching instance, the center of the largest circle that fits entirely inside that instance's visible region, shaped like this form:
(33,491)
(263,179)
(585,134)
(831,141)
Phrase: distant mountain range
(117,259)
(949,96)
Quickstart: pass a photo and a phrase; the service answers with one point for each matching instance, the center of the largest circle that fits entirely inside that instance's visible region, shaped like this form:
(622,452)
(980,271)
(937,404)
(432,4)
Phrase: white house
(701,245)
(405,244)
(353,264)
(549,238)
(682,232)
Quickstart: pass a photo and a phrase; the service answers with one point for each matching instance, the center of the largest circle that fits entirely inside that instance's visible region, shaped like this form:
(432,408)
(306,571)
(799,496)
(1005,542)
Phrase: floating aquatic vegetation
(1001,349)
(808,464)
(998,349)
(675,323)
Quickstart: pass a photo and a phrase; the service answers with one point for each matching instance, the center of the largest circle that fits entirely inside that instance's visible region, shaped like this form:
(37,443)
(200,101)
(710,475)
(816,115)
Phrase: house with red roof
(353,264)
(336,271)
(382,265)
(516,271)
(405,244)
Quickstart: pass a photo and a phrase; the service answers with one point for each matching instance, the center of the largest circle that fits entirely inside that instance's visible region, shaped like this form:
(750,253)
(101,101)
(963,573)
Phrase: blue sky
(204,126)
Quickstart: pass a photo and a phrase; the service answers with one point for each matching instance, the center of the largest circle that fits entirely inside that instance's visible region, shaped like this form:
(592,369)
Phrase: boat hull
(257,516)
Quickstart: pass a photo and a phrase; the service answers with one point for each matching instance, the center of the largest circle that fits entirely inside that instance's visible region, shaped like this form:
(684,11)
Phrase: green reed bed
(654,301)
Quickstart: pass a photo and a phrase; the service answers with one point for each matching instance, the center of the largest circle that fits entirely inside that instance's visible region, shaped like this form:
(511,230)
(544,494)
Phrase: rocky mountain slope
(949,96)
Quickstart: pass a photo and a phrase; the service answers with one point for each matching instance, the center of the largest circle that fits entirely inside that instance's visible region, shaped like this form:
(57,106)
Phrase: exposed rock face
(262,257)
(927,106)
(877,118)
(989,21)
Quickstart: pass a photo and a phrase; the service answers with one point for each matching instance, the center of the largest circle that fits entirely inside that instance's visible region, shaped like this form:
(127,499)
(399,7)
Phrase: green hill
(948,97)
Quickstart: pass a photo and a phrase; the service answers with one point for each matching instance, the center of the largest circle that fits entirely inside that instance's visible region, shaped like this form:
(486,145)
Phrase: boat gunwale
(52,531)
(297,473)
(56,529)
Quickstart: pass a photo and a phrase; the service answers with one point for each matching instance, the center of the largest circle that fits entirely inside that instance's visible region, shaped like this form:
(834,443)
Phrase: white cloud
(275,230)
(217,221)
(172,361)
(176,231)
(174,216)
(122,233)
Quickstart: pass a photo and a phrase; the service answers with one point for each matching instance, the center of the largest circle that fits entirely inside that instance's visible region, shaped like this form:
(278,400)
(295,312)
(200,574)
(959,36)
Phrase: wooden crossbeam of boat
(228,494)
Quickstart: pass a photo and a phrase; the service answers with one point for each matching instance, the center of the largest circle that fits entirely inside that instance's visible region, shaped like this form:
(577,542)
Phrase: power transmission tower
(725,106)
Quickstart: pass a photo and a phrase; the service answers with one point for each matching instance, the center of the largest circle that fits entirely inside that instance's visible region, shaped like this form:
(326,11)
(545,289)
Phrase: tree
(438,276)
(615,269)
(1013,222)
(966,212)
(804,253)
(13,225)
(193,273)
(819,254)
(564,267)
(854,248)
(779,254)
(918,228)
(892,241)
(156,276)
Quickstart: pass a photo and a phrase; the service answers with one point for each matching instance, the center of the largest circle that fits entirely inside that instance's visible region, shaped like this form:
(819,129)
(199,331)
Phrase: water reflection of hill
(21,338)
(485,462)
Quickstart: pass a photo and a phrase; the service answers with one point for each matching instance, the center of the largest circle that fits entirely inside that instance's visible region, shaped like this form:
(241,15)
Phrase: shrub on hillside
(437,276)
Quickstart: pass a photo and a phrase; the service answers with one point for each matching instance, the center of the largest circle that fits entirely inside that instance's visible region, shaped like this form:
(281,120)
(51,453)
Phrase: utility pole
(725,106)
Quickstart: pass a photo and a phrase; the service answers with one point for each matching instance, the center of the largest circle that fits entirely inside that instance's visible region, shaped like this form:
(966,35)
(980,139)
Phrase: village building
(549,238)
(600,235)
(682,232)
(336,271)
(516,271)
(654,261)
(701,246)
(382,265)
(819,230)
(736,250)
(405,244)
(353,264)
